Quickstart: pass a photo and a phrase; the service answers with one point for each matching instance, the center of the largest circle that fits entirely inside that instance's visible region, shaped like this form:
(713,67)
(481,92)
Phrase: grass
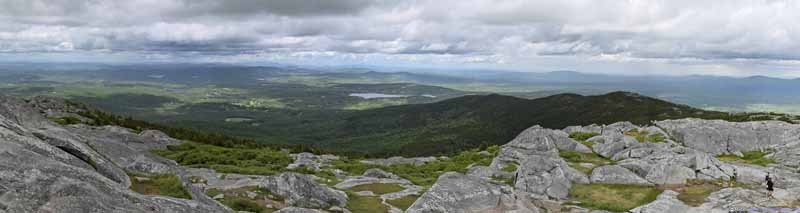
(267,161)
(588,144)
(577,157)
(507,181)
(378,188)
(656,138)
(243,204)
(164,184)
(644,136)
(404,202)
(612,197)
(238,200)
(510,168)
(365,204)
(262,161)
(425,175)
(66,120)
(750,157)
(695,192)
(582,136)
(580,168)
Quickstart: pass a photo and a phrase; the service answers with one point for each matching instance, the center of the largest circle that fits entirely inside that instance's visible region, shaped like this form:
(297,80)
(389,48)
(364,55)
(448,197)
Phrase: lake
(376,95)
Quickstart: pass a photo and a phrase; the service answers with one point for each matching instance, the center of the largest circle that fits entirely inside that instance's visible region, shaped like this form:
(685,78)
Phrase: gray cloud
(524,33)
(279,7)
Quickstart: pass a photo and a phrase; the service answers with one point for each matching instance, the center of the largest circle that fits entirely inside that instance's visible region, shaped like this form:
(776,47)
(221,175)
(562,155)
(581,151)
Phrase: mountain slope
(472,121)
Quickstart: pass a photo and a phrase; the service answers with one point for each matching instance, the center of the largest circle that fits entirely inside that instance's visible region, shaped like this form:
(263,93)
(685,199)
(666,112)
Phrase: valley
(672,165)
(353,111)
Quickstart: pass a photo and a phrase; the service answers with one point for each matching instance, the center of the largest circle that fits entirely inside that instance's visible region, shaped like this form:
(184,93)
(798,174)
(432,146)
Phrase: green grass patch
(577,157)
(378,188)
(365,204)
(404,202)
(582,136)
(244,204)
(694,193)
(588,144)
(237,199)
(507,181)
(510,167)
(640,136)
(612,197)
(580,168)
(644,136)
(656,138)
(425,175)
(213,192)
(750,157)
(66,120)
(254,161)
(164,184)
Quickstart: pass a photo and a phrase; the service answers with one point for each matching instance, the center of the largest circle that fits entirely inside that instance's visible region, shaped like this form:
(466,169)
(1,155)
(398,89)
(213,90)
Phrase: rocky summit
(686,165)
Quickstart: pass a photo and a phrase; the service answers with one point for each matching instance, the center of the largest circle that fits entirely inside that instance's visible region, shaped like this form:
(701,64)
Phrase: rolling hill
(471,121)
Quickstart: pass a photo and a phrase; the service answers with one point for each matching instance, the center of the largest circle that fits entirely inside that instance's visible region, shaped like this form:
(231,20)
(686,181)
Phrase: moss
(164,184)
(582,136)
(378,188)
(404,202)
(750,157)
(612,197)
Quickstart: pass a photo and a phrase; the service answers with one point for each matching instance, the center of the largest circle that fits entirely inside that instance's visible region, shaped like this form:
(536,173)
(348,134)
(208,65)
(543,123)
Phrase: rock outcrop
(454,192)
(47,168)
(299,190)
(545,179)
(616,175)
(399,160)
(666,202)
(718,137)
(311,161)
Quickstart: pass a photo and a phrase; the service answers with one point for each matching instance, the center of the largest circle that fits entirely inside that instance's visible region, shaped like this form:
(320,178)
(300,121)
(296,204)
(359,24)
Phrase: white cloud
(635,36)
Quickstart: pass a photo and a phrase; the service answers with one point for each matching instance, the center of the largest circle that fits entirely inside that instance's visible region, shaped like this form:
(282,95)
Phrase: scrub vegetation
(163,184)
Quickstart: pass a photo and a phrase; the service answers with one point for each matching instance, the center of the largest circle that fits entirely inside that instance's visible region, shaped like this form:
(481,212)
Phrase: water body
(237,119)
(376,95)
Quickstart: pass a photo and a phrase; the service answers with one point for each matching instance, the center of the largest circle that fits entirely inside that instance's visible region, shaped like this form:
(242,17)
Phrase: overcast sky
(720,37)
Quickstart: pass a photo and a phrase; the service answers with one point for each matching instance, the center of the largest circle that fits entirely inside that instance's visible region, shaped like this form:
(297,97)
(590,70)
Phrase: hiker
(770,186)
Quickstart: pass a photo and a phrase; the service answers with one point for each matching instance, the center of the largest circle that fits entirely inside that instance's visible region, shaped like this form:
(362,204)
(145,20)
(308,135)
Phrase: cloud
(523,34)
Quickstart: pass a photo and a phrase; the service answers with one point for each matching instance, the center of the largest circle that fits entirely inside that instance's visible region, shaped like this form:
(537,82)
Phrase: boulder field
(686,153)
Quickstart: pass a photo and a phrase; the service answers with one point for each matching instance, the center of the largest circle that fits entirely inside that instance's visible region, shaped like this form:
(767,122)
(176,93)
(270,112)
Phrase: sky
(670,37)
